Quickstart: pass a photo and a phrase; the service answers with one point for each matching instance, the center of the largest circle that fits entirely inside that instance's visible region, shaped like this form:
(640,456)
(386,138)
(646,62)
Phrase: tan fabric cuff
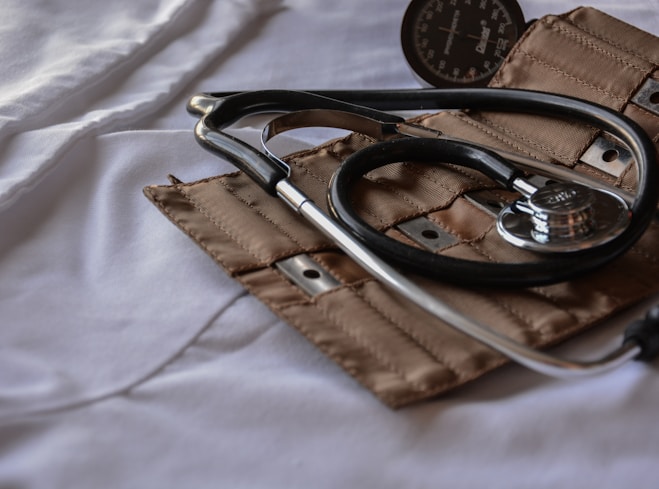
(396,351)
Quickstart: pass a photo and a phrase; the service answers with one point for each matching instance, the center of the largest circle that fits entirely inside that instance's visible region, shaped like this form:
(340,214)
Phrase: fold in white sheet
(90,297)
(81,68)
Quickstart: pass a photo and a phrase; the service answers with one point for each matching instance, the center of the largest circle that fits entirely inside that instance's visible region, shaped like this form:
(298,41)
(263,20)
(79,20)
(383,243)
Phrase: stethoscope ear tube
(262,170)
(217,113)
(229,107)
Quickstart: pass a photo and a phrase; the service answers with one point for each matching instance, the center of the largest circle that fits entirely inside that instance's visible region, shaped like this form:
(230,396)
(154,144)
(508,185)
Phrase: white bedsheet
(128,359)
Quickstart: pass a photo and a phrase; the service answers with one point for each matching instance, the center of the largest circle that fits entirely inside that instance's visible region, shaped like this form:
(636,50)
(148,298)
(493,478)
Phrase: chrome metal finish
(562,211)
(524,187)
(290,194)
(564,218)
(541,180)
(608,156)
(648,96)
(307,274)
(201,104)
(334,119)
(419,131)
(557,172)
(487,201)
(427,234)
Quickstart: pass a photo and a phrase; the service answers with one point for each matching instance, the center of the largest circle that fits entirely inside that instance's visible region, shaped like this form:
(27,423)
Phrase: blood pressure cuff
(398,352)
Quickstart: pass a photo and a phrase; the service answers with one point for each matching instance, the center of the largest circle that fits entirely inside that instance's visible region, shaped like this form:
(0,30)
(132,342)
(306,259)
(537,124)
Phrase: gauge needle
(478,38)
(450,31)
(463,36)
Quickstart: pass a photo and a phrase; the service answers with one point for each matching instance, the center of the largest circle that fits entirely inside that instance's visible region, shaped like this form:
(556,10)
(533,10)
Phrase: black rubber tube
(267,172)
(476,273)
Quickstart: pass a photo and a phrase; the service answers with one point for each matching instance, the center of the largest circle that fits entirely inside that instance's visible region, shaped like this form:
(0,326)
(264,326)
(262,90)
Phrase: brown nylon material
(395,350)
(582,54)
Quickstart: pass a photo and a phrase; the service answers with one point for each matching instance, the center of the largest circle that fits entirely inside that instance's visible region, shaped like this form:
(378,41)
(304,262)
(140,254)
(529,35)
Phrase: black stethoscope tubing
(463,272)
(641,339)
(559,268)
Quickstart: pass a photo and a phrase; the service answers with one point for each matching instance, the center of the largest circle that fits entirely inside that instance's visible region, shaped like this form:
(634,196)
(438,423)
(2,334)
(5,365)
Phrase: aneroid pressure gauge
(459,43)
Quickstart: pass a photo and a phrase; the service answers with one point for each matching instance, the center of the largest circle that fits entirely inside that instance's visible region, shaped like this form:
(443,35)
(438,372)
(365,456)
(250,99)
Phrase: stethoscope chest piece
(564,217)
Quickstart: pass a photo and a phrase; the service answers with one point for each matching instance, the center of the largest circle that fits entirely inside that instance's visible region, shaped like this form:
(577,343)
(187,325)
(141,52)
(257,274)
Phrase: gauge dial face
(458,43)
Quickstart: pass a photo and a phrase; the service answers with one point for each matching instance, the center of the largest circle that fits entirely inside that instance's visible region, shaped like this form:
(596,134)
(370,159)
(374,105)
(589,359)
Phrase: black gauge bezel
(432,78)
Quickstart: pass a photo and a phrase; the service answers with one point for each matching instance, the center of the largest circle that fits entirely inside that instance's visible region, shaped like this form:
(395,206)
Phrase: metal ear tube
(355,238)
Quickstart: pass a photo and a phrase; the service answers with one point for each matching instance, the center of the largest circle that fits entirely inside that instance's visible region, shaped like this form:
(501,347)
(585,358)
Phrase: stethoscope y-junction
(582,222)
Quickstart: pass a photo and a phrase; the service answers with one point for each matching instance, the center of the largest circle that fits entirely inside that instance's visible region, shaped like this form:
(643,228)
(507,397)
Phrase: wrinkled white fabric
(78,237)
(128,359)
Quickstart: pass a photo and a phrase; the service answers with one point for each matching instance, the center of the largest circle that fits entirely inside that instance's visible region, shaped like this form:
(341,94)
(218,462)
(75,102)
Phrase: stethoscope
(581,221)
